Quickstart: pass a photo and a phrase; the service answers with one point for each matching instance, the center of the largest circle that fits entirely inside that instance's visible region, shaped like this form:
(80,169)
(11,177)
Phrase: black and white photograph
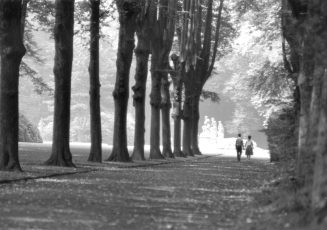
(163,114)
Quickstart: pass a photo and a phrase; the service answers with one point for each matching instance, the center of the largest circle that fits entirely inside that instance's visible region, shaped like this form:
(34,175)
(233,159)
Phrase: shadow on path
(194,193)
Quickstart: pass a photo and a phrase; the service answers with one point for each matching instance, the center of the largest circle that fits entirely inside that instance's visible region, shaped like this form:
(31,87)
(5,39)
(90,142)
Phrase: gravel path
(201,193)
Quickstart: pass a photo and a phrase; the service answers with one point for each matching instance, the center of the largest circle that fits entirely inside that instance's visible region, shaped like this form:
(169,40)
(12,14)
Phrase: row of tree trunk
(154,23)
(12,25)
(197,57)
(304,28)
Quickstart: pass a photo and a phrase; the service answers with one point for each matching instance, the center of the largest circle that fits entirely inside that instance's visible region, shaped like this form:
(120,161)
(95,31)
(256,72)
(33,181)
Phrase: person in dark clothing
(239,146)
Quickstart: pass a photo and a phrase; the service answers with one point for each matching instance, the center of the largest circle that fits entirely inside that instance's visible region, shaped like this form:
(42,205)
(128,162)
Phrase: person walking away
(249,148)
(239,146)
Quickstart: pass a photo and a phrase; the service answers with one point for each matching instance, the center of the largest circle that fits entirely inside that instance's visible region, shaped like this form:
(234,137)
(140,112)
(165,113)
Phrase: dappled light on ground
(193,193)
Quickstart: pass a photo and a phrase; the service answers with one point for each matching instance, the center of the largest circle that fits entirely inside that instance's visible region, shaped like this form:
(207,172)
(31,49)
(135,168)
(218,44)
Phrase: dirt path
(206,193)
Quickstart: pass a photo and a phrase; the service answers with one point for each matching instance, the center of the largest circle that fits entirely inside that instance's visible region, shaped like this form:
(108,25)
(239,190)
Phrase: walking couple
(240,146)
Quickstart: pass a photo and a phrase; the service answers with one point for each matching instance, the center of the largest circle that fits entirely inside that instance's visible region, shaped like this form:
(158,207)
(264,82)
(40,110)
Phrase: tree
(12,51)
(162,35)
(189,50)
(300,17)
(176,77)
(309,18)
(297,30)
(165,115)
(142,53)
(95,110)
(317,18)
(291,56)
(63,34)
(128,11)
(204,67)
(165,84)
(199,57)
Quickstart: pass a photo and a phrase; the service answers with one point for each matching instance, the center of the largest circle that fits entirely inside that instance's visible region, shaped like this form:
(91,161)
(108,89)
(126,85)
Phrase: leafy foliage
(245,6)
(270,82)
(213,96)
(40,17)
(282,135)
(39,84)
(28,132)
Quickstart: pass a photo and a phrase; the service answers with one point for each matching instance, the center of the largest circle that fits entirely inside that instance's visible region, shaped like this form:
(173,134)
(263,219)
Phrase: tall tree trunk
(195,125)
(128,10)
(304,157)
(187,131)
(319,189)
(177,105)
(142,52)
(95,109)
(63,33)
(163,27)
(318,142)
(314,123)
(169,31)
(155,101)
(177,137)
(12,51)
(165,112)
(200,68)
(178,119)
(319,111)
(289,26)
(187,116)
(187,54)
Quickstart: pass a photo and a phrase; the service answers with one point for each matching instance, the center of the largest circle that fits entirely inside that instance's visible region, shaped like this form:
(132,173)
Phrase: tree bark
(177,137)
(128,10)
(169,31)
(289,26)
(165,112)
(188,58)
(142,52)
(198,69)
(163,23)
(302,66)
(304,157)
(95,109)
(187,116)
(319,189)
(63,34)
(187,130)
(177,103)
(319,111)
(155,101)
(12,51)
(195,125)
(315,107)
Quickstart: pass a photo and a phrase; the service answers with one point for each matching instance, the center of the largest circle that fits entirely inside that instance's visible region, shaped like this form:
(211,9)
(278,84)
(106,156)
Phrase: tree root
(138,155)
(119,156)
(155,154)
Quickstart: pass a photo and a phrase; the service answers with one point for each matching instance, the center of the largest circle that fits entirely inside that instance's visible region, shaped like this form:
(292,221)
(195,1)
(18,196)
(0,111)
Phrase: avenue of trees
(194,32)
(178,42)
